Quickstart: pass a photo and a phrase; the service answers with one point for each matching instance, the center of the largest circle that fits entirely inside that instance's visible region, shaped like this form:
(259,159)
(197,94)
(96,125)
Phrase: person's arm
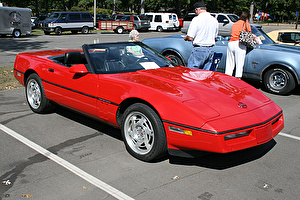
(188,38)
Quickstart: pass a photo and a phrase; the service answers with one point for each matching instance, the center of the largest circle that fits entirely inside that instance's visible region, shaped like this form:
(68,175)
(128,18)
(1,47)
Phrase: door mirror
(78,69)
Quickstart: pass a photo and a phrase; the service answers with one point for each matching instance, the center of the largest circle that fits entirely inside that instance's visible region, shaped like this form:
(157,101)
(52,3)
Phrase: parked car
(101,17)
(276,66)
(39,20)
(141,22)
(163,21)
(68,21)
(158,107)
(225,22)
(287,36)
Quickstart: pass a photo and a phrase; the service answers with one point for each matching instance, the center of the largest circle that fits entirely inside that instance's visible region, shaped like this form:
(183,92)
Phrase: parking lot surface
(64,155)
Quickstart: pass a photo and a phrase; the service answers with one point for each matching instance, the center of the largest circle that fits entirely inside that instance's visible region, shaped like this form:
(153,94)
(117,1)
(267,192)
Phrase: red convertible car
(160,108)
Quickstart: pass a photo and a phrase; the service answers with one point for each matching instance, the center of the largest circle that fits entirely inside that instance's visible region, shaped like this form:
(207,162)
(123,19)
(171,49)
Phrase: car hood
(222,95)
(280,47)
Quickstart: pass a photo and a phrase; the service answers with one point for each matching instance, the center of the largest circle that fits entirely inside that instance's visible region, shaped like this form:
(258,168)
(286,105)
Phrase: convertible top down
(159,108)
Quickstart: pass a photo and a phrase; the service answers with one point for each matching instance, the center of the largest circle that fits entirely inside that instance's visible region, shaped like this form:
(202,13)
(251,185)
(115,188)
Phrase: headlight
(236,135)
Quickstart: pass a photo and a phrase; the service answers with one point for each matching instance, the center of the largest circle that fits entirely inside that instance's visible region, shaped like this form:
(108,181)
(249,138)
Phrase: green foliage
(281,10)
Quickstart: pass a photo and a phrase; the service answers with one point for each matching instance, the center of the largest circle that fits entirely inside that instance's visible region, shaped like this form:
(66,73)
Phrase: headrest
(73,58)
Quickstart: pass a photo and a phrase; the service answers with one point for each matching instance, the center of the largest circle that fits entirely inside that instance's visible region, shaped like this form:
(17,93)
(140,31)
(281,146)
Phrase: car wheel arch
(281,66)
(128,102)
(173,52)
(28,73)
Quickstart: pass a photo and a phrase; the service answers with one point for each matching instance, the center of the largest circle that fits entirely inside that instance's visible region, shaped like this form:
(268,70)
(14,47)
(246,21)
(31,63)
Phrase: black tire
(85,30)
(159,29)
(143,133)
(120,30)
(175,59)
(58,31)
(35,95)
(279,81)
(16,33)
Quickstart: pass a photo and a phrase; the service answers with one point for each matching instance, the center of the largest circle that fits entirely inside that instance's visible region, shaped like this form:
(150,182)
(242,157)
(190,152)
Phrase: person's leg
(209,58)
(240,60)
(197,58)
(230,59)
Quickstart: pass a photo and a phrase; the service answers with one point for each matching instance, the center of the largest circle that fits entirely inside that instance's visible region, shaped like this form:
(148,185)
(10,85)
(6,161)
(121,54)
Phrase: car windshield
(123,57)
(233,18)
(54,16)
(262,35)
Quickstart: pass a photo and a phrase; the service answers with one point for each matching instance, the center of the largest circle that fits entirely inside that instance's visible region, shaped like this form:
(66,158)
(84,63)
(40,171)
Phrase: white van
(163,21)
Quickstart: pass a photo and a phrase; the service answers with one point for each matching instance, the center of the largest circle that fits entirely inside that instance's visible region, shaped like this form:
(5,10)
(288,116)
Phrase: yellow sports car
(286,36)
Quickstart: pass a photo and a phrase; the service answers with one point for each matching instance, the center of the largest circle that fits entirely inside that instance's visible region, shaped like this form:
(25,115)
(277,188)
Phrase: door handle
(51,70)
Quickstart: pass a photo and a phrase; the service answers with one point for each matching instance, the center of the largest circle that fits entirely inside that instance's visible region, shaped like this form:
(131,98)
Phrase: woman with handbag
(236,51)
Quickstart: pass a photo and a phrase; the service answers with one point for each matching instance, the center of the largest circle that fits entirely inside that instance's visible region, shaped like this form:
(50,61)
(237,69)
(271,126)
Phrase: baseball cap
(199,4)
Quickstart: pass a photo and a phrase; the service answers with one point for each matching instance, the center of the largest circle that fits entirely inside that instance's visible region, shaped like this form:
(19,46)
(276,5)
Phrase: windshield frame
(96,55)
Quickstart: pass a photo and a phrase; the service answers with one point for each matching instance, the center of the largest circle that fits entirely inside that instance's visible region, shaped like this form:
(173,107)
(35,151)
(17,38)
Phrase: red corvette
(160,108)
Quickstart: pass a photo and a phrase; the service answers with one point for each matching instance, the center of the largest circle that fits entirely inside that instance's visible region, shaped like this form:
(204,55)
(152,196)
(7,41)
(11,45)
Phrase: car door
(225,25)
(74,90)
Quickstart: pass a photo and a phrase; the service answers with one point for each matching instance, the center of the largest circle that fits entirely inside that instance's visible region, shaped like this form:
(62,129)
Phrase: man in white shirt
(202,33)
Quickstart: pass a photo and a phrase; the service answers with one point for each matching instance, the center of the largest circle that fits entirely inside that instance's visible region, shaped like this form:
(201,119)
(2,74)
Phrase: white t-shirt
(204,29)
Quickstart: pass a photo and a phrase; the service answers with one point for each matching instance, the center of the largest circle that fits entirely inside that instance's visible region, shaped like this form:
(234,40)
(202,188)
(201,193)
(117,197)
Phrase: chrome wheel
(34,94)
(279,81)
(143,132)
(139,133)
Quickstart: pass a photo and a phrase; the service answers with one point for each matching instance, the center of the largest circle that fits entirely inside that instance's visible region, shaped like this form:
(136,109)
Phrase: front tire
(143,133)
(58,31)
(279,81)
(35,95)
(175,59)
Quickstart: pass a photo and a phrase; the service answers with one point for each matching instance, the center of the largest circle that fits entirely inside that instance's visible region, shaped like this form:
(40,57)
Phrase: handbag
(246,38)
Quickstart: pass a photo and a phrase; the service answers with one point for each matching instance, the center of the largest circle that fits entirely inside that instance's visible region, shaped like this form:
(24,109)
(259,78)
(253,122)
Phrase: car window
(150,17)
(262,35)
(123,57)
(86,16)
(54,16)
(288,37)
(233,18)
(143,17)
(157,18)
(189,17)
(74,16)
(135,18)
(222,18)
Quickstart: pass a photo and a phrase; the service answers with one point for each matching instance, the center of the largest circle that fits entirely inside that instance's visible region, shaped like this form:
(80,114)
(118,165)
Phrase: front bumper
(218,142)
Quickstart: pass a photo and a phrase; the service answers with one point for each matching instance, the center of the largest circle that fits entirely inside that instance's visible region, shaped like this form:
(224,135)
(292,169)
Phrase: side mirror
(78,69)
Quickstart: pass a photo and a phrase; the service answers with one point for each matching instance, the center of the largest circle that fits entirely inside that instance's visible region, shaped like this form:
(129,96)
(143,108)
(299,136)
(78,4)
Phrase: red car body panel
(209,104)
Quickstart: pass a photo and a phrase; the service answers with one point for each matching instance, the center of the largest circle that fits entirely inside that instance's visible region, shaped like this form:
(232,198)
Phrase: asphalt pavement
(64,155)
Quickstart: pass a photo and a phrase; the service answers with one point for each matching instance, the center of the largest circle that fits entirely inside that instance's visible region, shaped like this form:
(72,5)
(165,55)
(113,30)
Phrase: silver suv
(225,22)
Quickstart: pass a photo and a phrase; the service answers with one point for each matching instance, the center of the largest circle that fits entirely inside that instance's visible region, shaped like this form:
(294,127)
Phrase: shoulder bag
(246,38)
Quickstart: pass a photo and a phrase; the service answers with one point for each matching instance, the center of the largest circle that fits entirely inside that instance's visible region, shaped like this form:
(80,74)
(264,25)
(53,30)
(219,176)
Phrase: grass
(7,79)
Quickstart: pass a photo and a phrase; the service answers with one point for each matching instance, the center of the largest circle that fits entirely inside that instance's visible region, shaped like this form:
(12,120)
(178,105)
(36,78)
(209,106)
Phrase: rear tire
(35,95)
(143,133)
(17,33)
(159,29)
(279,81)
(85,30)
(119,30)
